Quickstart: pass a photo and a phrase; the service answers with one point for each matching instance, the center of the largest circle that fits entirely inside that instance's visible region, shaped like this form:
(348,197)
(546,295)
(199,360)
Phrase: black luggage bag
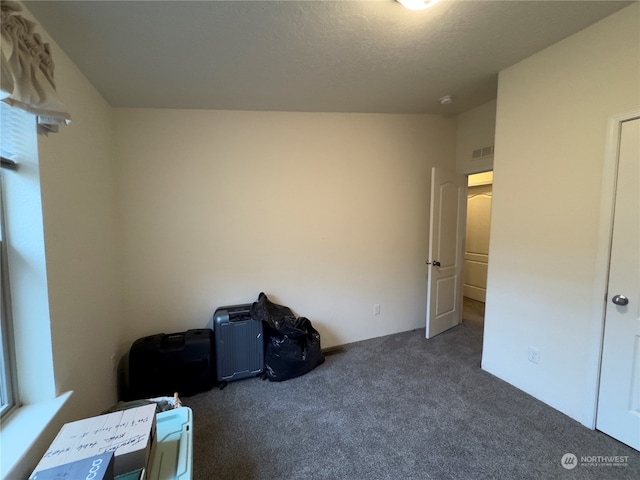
(162,364)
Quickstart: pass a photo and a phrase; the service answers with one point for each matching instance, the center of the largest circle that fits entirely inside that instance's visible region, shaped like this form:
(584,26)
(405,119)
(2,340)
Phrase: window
(30,401)
(8,388)
(8,383)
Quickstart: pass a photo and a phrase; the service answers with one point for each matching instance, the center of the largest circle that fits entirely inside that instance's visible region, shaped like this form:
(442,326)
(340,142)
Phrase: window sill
(21,432)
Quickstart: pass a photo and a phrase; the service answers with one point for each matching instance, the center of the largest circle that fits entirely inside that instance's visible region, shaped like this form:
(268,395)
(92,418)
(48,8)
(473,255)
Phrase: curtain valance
(27,70)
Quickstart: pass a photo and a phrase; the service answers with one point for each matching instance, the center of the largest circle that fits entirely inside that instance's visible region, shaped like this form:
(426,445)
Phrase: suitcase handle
(173,341)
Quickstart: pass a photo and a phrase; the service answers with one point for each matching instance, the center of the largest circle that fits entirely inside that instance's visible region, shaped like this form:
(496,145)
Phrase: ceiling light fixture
(417,4)
(446,100)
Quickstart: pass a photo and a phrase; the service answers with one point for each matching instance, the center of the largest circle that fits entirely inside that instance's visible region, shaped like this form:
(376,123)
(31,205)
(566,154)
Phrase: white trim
(601,277)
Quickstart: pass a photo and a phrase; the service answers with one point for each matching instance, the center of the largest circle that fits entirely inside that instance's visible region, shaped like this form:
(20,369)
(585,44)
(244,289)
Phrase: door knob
(435,263)
(620,300)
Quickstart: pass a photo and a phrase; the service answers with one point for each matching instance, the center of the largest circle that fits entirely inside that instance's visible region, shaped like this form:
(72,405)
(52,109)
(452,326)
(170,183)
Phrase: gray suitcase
(239,343)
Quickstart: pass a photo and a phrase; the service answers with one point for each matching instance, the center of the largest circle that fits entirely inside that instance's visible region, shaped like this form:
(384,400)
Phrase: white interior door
(619,395)
(446,245)
(476,252)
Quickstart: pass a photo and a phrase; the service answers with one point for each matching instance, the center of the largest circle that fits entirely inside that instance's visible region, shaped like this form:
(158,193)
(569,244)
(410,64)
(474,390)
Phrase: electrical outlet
(376,309)
(534,355)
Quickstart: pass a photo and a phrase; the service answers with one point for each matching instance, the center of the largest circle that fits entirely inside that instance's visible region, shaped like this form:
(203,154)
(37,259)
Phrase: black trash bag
(292,345)
(274,315)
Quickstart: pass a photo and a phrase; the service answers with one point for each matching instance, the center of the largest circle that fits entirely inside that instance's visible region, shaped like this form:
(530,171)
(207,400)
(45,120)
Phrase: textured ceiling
(318,56)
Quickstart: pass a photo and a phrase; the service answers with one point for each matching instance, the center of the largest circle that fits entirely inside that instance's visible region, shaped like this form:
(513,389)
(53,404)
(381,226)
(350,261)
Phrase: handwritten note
(128,433)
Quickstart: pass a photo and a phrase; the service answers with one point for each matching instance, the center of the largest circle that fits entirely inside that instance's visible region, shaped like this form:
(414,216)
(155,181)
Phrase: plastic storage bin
(173,456)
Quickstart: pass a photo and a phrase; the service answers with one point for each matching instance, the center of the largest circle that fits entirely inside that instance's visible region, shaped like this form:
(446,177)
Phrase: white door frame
(605,231)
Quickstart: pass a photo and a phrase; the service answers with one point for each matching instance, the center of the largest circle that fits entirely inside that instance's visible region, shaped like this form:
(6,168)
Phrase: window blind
(16,132)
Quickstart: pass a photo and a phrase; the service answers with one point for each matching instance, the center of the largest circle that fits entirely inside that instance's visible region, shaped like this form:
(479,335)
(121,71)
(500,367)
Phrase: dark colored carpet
(395,407)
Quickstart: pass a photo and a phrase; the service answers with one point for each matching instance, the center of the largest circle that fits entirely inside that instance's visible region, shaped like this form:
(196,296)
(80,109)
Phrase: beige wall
(77,175)
(325,213)
(550,142)
(475,129)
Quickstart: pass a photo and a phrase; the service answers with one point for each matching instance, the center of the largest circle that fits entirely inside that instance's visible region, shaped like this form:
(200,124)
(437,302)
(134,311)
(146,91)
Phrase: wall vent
(482,152)
(487,150)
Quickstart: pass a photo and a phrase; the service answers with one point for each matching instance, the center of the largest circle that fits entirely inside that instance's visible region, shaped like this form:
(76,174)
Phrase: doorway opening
(476,251)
